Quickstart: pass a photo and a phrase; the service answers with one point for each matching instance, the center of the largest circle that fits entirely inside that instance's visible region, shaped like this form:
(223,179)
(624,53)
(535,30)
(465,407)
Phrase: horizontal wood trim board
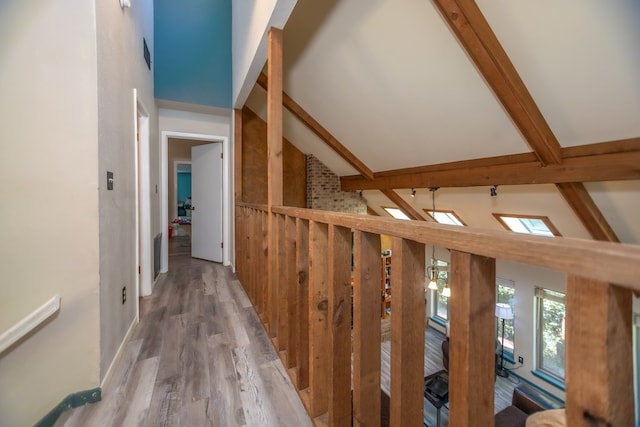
(606,261)
(606,167)
(609,147)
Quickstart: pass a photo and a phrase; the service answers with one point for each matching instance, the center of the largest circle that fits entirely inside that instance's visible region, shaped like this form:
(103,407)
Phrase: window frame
(446,212)
(540,295)
(443,277)
(552,228)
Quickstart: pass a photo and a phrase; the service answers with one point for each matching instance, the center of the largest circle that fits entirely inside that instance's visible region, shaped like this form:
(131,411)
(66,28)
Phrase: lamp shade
(446,291)
(504,311)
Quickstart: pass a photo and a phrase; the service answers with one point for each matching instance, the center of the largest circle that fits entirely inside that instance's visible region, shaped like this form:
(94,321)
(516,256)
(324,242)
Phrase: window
(505,291)
(528,224)
(396,213)
(440,303)
(445,217)
(550,316)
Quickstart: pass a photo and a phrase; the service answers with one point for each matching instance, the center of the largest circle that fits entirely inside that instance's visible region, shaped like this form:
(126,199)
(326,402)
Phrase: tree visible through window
(550,319)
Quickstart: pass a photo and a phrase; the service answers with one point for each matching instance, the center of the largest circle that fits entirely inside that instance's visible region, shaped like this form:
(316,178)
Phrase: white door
(206,201)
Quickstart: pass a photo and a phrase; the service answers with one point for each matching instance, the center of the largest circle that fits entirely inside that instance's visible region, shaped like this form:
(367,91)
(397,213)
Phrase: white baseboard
(116,358)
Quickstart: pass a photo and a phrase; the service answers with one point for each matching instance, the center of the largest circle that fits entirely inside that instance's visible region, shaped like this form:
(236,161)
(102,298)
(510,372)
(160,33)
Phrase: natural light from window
(445,217)
(539,226)
(396,213)
(550,339)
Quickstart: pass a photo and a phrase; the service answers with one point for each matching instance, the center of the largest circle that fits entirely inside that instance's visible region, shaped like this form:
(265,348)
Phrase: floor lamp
(503,312)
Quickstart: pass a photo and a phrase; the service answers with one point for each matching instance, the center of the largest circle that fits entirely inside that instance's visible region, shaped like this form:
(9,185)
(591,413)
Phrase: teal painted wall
(192,51)
(184,185)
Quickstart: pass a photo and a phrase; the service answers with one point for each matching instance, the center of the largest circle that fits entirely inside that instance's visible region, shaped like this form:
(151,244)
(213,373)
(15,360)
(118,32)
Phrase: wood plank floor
(198,357)
(433,363)
(201,357)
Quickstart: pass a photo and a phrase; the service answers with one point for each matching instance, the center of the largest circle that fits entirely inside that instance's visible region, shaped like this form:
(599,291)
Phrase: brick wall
(323,190)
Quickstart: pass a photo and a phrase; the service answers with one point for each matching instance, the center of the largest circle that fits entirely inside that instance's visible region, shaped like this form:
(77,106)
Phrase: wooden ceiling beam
(604,167)
(583,205)
(474,33)
(476,36)
(319,130)
(372,212)
(403,205)
(609,147)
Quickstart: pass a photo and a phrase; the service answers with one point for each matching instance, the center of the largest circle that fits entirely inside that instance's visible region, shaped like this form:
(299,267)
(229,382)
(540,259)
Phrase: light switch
(109,180)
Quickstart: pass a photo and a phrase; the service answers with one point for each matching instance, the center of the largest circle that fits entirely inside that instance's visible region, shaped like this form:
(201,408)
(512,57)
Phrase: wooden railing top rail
(256,206)
(609,262)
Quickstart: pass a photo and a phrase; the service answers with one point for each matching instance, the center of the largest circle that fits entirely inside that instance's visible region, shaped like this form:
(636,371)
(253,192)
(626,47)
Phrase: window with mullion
(550,333)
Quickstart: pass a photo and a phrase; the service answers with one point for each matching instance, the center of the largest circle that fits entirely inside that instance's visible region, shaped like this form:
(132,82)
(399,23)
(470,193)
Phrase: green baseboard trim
(72,401)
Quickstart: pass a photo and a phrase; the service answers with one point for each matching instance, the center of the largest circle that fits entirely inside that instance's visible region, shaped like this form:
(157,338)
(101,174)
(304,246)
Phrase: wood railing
(307,312)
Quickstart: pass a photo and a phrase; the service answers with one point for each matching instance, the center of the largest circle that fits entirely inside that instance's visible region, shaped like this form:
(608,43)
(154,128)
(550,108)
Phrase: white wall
(49,215)
(251,21)
(121,68)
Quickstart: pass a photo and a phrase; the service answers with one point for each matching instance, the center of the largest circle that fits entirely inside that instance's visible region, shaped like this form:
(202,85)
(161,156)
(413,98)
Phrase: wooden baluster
(318,319)
(407,333)
(366,330)
(472,339)
(273,276)
(599,364)
(339,281)
(281,283)
(249,242)
(292,290)
(302,267)
(262,272)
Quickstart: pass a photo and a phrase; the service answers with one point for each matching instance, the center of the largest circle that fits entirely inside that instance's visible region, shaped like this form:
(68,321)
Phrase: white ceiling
(390,81)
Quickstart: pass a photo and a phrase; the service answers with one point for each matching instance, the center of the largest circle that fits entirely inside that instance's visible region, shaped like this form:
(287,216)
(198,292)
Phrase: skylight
(445,217)
(536,225)
(396,213)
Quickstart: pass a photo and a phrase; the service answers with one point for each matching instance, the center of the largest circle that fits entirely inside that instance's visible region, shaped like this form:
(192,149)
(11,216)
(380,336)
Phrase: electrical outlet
(124,294)
(520,360)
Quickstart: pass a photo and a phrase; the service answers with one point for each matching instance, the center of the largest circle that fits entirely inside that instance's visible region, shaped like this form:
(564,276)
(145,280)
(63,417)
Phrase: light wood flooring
(200,357)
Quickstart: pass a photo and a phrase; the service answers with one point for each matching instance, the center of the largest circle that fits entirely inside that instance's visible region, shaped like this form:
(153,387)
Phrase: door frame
(164,193)
(144,275)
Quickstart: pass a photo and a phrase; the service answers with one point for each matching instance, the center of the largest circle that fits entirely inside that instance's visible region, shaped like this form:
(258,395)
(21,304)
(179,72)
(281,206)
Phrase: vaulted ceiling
(474,94)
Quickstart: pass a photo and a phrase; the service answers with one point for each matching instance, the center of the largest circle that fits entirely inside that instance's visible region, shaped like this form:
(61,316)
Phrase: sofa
(525,401)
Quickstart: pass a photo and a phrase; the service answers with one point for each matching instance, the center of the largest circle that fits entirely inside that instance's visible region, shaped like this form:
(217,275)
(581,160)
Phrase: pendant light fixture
(432,270)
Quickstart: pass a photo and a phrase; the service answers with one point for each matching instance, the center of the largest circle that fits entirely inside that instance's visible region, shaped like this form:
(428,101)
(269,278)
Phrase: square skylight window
(396,213)
(536,225)
(445,217)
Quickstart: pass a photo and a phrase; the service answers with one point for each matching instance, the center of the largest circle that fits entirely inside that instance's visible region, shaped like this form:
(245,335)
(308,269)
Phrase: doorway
(168,138)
